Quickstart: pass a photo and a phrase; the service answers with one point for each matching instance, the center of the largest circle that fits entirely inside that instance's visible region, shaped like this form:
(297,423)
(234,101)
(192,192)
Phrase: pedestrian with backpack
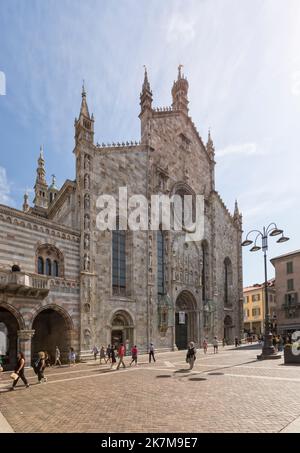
(191,355)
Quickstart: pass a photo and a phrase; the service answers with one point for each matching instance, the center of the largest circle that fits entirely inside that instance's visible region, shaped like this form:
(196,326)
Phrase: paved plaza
(227,392)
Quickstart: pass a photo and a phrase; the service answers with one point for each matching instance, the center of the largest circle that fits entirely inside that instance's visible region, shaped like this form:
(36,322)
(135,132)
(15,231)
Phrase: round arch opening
(51,329)
(122,329)
(185,320)
(9,327)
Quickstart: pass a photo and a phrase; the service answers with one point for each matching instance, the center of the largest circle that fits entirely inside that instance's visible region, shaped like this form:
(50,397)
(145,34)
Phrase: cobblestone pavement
(226,392)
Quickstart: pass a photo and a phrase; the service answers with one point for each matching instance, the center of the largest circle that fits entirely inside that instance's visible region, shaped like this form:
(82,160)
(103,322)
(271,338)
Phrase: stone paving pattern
(227,392)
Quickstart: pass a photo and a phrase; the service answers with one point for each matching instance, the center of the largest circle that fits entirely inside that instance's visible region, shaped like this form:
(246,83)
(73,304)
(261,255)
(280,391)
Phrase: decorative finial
(146,84)
(53,180)
(179,71)
(83,89)
(25,203)
(41,152)
(236,209)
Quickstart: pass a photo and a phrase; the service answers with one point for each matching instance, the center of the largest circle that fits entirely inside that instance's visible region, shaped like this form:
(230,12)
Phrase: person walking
(47,359)
(205,345)
(102,354)
(95,352)
(57,357)
(72,357)
(191,355)
(121,353)
(215,345)
(40,367)
(151,353)
(112,356)
(108,353)
(236,342)
(134,354)
(19,370)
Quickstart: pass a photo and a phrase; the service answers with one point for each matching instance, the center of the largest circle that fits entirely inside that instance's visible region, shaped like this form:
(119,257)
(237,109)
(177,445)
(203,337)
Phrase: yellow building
(254,307)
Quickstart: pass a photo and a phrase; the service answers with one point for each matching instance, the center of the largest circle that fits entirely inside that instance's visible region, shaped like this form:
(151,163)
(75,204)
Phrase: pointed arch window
(160,262)
(40,265)
(119,261)
(227,281)
(204,276)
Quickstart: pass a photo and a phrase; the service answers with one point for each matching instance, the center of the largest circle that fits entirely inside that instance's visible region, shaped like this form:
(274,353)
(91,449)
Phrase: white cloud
(241,149)
(181,29)
(4,187)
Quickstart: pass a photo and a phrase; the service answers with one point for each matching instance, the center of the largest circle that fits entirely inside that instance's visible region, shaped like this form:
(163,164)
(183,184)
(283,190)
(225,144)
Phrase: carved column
(24,344)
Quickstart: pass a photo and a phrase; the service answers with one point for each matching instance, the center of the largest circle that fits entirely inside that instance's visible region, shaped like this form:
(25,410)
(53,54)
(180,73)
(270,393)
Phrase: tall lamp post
(268,350)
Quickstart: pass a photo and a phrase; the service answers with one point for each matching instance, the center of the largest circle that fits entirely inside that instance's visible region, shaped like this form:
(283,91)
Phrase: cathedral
(66,283)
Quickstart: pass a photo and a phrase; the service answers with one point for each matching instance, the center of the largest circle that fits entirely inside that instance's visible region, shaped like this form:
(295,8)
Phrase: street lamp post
(268,350)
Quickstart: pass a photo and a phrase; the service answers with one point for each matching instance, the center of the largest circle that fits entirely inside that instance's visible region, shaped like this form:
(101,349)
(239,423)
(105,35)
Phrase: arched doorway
(228,329)
(122,329)
(185,320)
(9,327)
(51,329)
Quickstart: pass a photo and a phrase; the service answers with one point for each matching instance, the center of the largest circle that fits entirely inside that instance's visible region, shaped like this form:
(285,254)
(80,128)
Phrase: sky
(242,62)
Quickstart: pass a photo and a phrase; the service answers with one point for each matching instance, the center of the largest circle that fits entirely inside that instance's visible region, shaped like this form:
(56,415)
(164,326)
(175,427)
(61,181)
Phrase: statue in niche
(87,162)
(86,201)
(86,262)
(86,241)
(86,222)
(86,181)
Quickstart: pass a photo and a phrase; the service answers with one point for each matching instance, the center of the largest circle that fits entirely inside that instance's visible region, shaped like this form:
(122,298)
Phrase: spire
(146,84)
(210,148)
(179,92)
(179,72)
(146,94)
(237,216)
(84,110)
(42,152)
(236,209)
(25,203)
(41,187)
(84,125)
(41,173)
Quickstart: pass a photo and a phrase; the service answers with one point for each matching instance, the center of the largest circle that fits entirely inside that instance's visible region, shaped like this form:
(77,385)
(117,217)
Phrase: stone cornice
(36,223)
(107,149)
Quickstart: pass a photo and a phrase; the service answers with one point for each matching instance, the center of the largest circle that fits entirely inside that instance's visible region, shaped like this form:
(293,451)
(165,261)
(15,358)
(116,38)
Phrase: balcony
(290,305)
(24,284)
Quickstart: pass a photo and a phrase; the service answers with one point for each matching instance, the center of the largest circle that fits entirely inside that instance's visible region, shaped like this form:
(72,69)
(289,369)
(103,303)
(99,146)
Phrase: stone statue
(86,241)
(86,263)
(86,201)
(87,163)
(86,222)
(86,181)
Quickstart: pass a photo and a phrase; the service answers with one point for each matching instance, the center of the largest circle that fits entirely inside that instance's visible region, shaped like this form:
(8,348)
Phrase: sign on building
(181,316)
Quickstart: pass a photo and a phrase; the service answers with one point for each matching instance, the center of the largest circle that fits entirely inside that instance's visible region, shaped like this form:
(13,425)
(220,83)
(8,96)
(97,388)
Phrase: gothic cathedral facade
(64,282)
